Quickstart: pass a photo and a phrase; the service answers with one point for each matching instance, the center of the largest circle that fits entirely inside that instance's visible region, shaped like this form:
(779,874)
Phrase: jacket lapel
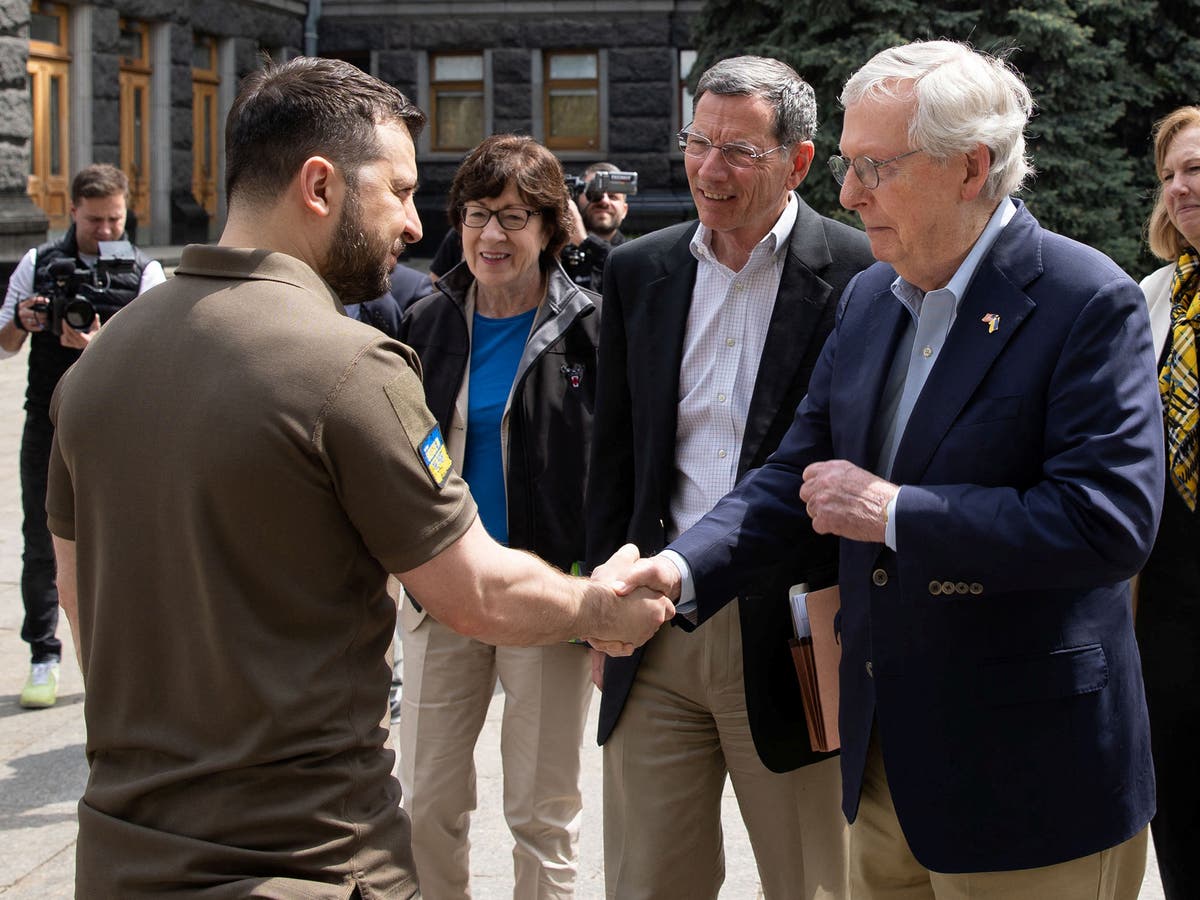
(799,308)
(971,348)
(668,299)
(863,369)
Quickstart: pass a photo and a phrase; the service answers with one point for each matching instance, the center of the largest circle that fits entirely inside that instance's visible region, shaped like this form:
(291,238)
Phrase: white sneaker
(41,690)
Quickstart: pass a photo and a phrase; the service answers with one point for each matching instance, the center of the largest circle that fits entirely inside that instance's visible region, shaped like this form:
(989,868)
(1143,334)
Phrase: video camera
(74,294)
(603,183)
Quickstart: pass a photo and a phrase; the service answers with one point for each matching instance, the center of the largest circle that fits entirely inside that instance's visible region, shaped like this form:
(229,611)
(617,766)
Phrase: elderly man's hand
(845,500)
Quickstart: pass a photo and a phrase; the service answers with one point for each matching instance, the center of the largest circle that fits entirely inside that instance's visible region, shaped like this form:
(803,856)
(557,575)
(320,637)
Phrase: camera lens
(80,314)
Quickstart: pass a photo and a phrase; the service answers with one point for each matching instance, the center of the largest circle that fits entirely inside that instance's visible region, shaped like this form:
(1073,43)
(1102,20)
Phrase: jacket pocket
(1029,679)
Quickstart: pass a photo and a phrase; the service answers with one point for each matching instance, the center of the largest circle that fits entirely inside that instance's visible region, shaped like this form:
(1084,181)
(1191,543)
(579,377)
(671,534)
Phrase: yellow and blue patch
(435,456)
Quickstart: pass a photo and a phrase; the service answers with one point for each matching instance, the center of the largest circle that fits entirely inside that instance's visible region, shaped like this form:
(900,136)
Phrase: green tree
(1101,72)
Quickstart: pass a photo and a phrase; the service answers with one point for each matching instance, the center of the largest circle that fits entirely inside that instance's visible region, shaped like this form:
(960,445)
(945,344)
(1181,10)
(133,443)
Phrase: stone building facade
(146,85)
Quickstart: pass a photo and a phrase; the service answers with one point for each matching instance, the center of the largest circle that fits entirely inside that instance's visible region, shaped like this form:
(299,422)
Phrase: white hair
(964,98)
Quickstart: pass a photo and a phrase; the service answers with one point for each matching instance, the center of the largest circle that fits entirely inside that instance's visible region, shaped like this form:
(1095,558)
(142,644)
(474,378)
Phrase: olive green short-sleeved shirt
(240,465)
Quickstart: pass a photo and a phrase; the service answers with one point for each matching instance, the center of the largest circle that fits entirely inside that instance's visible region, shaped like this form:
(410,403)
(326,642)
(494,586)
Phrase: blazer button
(960,588)
(947,587)
(870,671)
(879,577)
(935,587)
(975,588)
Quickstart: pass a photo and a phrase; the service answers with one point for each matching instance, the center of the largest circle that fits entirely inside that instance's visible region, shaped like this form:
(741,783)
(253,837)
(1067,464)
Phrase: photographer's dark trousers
(38,588)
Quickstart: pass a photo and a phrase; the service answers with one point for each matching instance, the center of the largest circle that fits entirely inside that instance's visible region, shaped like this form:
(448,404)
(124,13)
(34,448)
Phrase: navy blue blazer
(994,651)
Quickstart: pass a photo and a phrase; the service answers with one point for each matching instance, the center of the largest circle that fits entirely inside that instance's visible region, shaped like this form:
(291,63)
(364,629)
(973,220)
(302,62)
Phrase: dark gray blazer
(647,293)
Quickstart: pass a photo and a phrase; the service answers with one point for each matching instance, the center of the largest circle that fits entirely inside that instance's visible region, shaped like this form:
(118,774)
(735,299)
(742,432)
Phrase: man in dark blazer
(709,335)
(983,433)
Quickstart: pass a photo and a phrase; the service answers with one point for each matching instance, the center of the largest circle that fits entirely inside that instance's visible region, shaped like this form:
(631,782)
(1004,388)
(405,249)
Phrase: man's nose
(413,231)
(852,192)
(714,164)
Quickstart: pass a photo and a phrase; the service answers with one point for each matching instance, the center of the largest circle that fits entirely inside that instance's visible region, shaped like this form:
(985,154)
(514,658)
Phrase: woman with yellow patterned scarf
(1168,608)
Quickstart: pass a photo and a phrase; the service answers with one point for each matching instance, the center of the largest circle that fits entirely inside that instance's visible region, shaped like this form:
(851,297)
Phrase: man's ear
(317,179)
(801,157)
(979,166)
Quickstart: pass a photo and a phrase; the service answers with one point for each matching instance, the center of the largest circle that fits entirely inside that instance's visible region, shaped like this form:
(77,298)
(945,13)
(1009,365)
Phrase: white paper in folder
(798,595)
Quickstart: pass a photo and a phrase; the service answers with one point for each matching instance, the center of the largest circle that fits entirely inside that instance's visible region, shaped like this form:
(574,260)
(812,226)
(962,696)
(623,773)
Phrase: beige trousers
(682,730)
(882,867)
(448,685)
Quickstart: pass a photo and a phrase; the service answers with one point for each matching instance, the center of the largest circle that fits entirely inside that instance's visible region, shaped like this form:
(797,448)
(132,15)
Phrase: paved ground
(43,770)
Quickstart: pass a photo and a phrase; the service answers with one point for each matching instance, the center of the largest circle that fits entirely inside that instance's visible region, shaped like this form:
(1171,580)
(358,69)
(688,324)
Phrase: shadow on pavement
(10,707)
(38,780)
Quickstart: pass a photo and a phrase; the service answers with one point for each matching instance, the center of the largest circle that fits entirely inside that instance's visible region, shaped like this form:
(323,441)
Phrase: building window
(571,106)
(687,59)
(456,100)
(205,82)
(135,115)
(48,71)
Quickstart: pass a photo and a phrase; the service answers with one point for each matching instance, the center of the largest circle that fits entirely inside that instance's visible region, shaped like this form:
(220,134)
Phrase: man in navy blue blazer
(983,433)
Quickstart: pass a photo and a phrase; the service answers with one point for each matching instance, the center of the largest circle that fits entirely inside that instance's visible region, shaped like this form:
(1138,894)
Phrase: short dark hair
(308,106)
(505,159)
(99,180)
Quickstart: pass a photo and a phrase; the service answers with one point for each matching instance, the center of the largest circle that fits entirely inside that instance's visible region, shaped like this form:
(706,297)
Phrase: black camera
(75,295)
(603,183)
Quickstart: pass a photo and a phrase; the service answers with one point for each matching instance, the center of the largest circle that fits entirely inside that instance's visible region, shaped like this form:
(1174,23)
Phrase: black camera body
(603,182)
(75,295)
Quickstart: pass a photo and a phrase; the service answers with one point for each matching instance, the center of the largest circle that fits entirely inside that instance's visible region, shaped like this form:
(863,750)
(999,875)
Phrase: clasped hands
(632,578)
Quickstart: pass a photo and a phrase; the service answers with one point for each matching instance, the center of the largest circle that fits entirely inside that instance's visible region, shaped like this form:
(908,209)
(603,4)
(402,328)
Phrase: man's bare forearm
(508,597)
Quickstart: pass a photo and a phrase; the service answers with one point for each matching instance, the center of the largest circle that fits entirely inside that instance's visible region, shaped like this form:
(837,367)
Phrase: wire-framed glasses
(864,167)
(511,218)
(740,156)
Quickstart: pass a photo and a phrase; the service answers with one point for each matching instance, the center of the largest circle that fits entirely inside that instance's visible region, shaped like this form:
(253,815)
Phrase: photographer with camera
(600,196)
(60,293)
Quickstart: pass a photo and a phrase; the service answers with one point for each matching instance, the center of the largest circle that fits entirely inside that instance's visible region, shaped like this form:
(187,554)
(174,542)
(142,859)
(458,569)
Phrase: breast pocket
(988,410)
(1067,672)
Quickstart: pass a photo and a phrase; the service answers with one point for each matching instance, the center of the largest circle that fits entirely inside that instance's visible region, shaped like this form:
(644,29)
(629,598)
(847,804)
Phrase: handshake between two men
(840,498)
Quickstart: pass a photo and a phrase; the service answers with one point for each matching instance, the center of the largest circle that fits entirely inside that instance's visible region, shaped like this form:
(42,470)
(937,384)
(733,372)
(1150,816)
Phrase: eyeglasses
(511,218)
(740,156)
(864,167)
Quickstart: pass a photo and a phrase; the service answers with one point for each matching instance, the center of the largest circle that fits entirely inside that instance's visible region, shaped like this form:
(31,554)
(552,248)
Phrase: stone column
(22,224)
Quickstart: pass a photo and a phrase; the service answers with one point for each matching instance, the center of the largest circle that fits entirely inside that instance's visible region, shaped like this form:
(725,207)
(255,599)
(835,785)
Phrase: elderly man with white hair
(982,433)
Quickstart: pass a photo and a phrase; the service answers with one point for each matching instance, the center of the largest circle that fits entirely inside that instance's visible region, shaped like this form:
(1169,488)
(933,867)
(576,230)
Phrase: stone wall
(22,224)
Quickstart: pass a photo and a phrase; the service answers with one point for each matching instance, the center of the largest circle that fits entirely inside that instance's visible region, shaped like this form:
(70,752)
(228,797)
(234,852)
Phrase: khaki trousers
(882,867)
(683,728)
(448,685)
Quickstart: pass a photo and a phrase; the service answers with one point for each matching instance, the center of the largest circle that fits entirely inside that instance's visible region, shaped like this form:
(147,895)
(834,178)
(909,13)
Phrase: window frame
(593,144)
(437,87)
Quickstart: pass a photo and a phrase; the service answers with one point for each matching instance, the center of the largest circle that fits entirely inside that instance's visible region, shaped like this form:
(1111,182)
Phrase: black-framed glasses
(511,218)
(864,167)
(740,156)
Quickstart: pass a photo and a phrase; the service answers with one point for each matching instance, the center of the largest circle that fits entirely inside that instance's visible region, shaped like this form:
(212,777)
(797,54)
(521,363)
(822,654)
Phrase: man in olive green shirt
(225,530)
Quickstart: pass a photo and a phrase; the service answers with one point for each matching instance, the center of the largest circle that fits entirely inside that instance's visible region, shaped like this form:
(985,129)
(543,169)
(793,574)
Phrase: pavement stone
(43,769)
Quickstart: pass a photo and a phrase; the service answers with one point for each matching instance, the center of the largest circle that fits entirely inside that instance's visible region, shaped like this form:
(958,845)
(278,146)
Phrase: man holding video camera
(60,292)
(602,203)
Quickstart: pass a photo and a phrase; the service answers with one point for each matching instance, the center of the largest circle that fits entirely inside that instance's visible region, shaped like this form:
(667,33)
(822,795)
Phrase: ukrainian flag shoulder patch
(435,456)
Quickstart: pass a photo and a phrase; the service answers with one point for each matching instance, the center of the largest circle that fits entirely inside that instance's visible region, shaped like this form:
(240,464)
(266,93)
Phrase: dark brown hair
(505,159)
(99,180)
(1164,238)
(285,114)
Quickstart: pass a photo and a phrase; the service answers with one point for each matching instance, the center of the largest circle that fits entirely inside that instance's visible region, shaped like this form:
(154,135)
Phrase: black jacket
(648,291)
(550,412)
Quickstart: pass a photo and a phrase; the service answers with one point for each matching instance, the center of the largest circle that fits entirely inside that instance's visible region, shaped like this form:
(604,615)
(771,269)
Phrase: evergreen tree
(1101,72)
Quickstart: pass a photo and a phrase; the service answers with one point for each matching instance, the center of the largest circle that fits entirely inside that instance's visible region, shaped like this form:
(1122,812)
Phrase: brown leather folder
(817,658)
